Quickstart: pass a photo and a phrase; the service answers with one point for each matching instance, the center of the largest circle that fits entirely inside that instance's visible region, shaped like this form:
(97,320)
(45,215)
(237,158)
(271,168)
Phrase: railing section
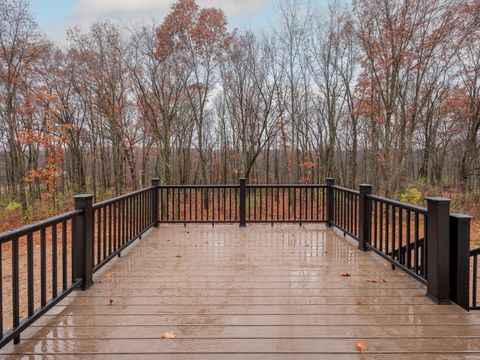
(346,211)
(285,203)
(261,203)
(199,204)
(36,271)
(120,221)
(397,233)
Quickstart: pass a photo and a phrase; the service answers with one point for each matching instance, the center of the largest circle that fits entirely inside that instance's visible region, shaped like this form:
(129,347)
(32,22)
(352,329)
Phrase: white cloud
(101,8)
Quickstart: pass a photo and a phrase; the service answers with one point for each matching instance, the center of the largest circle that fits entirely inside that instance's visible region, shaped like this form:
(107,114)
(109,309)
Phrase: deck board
(259,292)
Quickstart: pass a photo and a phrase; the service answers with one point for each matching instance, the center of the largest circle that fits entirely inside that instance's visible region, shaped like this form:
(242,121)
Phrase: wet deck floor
(252,293)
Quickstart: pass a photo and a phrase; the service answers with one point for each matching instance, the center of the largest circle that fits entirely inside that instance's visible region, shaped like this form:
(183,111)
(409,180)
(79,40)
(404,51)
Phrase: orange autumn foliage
(189,28)
(47,135)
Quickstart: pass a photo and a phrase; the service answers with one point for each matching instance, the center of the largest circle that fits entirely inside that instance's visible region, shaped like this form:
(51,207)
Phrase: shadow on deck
(259,292)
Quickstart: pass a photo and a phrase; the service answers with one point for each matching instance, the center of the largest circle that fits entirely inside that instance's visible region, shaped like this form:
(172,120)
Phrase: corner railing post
(243,202)
(460,260)
(330,201)
(155,203)
(364,216)
(438,250)
(82,242)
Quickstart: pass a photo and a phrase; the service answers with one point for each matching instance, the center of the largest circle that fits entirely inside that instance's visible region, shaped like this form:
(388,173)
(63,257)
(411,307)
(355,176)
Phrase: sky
(55,16)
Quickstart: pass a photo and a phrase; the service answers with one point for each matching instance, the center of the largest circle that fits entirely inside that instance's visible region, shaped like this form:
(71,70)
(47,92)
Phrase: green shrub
(411,196)
(13,205)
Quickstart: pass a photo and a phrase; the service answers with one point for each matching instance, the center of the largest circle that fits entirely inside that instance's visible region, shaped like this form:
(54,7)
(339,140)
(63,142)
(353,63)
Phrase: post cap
(438,200)
(461,216)
(365,185)
(83,197)
(243,179)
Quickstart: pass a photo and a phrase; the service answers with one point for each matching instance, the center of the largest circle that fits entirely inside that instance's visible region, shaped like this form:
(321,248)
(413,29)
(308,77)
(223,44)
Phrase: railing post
(437,247)
(330,200)
(155,203)
(243,202)
(460,260)
(364,216)
(82,242)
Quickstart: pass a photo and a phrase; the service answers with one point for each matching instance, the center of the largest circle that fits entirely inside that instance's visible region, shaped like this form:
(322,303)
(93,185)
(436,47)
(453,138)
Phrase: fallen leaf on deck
(371,280)
(346,274)
(359,302)
(384,280)
(361,346)
(110,302)
(169,335)
(178,256)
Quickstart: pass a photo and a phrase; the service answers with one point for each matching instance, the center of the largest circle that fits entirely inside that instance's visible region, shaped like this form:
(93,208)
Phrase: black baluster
(30,275)
(43,267)
(15,288)
(54,261)
(64,255)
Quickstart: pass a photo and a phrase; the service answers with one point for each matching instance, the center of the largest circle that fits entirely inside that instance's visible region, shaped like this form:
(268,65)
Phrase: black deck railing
(199,203)
(120,221)
(285,203)
(51,258)
(33,277)
(345,210)
(42,263)
(397,234)
(262,203)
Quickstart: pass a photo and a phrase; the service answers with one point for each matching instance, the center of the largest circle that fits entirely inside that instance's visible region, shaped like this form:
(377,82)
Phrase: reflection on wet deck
(259,292)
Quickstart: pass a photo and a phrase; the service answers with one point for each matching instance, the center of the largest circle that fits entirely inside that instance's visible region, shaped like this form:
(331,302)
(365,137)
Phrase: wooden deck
(259,292)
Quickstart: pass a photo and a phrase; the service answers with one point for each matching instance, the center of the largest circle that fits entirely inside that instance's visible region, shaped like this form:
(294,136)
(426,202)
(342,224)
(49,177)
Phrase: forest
(371,91)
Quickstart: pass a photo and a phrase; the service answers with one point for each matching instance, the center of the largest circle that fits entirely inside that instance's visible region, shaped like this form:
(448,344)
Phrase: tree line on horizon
(379,91)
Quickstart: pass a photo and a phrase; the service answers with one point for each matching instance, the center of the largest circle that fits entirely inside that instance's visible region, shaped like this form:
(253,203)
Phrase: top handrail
(121,197)
(351,191)
(199,186)
(27,229)
(222,186)
(406,206)
(287,185)
(475,251)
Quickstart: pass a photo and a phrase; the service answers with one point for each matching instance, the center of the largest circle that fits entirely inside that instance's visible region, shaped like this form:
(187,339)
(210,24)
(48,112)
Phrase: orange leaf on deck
(169,335)
(346,274)
(178,256)
(361,346)
(110,302)
(371,280)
